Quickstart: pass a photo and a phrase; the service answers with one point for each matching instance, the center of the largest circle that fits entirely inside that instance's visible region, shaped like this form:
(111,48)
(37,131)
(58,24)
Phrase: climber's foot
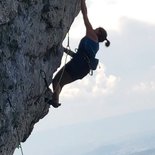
(53,103)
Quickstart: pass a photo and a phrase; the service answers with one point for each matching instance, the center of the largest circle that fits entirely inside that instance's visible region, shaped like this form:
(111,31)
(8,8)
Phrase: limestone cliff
(31,35)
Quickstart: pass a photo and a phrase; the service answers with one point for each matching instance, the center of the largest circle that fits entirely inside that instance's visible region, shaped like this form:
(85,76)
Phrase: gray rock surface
(31,35)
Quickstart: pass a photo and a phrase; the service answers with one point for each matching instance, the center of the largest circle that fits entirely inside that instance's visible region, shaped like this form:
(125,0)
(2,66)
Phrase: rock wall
(31,35)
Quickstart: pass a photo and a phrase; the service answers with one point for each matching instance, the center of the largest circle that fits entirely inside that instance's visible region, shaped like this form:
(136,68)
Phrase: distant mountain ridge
(128,134)
(144,145)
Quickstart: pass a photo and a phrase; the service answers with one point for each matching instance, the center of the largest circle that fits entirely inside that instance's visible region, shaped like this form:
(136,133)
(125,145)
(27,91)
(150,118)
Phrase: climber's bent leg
(62,78)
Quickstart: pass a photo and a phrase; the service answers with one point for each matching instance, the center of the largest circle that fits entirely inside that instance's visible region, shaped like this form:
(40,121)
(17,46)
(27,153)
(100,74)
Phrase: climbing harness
(92,64)
(14,111)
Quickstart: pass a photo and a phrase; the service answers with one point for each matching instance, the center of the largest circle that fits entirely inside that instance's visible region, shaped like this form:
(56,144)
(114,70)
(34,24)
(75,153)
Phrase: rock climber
(84,60)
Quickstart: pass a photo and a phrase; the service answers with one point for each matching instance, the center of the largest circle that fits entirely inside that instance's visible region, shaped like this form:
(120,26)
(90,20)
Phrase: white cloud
(103,84)
(98,85)
(109,13)
(145,87)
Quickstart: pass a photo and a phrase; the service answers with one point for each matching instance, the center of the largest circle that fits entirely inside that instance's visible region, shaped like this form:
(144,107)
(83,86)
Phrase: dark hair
(107,43)
(102,36)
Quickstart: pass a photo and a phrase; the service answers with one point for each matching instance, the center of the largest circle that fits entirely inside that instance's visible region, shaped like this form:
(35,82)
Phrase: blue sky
(123,85)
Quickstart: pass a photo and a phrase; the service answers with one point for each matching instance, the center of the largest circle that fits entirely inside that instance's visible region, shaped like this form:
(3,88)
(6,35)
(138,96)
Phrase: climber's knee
(57,79)
(66,79)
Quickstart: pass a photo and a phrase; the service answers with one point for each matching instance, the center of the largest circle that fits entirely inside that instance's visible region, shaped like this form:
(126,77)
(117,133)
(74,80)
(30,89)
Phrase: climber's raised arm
(85,15)
(89,29)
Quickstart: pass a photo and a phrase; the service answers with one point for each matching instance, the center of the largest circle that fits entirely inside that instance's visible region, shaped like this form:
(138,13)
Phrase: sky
(124,82)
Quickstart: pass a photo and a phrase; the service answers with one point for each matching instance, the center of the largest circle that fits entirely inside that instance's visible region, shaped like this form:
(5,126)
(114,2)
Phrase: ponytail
(107,43)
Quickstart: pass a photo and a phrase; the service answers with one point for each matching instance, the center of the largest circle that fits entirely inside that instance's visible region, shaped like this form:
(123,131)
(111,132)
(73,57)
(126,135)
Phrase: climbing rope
(14,111)
(68,42)
(68,48)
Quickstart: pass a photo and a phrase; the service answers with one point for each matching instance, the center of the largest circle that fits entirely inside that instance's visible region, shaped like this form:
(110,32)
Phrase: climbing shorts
(77,68)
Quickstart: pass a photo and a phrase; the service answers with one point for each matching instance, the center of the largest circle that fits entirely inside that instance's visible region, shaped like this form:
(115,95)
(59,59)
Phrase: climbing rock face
(31,35)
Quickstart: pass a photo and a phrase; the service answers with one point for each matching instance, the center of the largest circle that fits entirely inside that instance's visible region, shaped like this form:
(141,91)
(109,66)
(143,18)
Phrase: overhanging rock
(31,35)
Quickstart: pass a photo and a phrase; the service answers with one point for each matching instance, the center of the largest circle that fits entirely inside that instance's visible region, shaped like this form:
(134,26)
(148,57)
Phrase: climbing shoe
(54,104)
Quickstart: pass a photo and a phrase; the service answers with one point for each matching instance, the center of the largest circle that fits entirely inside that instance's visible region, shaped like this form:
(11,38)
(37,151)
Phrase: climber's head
(102,35)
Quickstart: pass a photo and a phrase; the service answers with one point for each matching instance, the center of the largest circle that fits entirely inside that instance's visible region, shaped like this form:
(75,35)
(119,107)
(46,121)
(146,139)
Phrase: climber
(83,61)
